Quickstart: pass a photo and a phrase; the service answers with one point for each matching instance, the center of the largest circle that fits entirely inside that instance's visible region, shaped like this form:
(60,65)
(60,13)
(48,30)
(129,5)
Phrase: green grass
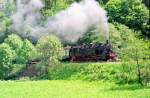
(70,89)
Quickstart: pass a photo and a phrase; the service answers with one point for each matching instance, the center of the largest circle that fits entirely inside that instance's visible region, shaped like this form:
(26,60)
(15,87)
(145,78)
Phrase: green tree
(131,13)
(26,52)
(10,7)
(14,41)
(120,38)
(133,51)
(140,53)
(137,53)
(50,49)
(88,37)
(5,24)
(6,57)
(103,2)
(92,36)
(53,6)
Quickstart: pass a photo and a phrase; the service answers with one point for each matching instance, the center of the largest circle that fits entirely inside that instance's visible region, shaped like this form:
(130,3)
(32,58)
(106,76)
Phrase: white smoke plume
(69,25)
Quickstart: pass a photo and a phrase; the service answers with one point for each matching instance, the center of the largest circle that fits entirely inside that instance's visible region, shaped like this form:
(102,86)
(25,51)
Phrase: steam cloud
(69,25)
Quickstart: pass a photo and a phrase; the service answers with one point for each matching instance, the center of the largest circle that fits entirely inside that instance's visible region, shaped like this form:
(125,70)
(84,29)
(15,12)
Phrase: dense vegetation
(131,13)
(129,35)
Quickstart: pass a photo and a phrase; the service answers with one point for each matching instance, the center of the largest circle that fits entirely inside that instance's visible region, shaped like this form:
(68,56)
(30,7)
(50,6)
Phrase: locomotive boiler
(90,52)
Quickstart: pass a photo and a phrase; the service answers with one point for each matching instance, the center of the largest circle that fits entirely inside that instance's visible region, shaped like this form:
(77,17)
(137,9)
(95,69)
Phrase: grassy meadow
(76,80)
(70,89)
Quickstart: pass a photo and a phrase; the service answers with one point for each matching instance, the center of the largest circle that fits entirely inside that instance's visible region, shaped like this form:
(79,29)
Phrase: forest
(34,35)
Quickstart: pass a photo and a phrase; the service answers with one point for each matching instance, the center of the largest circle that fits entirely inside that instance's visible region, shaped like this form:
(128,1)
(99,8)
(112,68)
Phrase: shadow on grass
(129,87)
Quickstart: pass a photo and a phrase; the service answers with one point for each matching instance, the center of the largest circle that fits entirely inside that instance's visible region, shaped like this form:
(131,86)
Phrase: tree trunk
(138,68)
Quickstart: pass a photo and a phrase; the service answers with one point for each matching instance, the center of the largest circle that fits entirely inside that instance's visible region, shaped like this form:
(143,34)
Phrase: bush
(120,73)
(100,71)
(145,73)
(126,74)
(86,71)
(129,73)
(6,57)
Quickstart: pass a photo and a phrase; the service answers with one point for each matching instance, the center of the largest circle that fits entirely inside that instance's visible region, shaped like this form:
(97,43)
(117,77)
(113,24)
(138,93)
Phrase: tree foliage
(15,51)
(14,41)
(133,52)
(92,36)
(24,49)
(131,13)
(53,6)
(26,52)
(5,24)
(6,57)
(50,49)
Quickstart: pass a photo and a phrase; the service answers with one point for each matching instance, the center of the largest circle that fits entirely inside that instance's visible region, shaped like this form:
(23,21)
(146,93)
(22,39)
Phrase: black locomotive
(90,52)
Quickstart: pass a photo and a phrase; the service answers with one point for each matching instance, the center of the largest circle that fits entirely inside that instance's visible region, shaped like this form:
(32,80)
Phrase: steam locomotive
(90,52)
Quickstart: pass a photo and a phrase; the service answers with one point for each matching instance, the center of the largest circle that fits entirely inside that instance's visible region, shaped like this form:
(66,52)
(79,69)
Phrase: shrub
(84,71)
(145,73)
(100,71)
(126,74)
